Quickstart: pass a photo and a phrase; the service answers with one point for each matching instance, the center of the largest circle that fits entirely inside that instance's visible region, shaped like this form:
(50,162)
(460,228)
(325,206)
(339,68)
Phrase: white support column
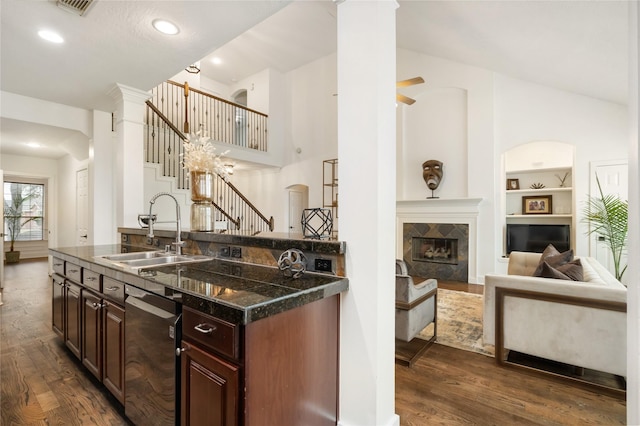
(129,164)
(102,223)
(633,271)
(366,151)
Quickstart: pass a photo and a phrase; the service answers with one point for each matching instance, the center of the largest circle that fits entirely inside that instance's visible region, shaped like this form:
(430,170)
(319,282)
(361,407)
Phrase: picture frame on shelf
(539,204)
(513,184)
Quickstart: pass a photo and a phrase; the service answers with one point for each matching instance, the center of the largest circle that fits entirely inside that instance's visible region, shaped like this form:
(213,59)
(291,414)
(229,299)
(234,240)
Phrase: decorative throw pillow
(547,271)
(554,258)
(571,271)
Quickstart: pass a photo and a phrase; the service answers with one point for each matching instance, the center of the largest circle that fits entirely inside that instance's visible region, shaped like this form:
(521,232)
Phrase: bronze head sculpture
(432,173)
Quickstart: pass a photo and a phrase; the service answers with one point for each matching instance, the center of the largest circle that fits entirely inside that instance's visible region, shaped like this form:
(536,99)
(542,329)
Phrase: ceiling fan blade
(404,99)
(410,82)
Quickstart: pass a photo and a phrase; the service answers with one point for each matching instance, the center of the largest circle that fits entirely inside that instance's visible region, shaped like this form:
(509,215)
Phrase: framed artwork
(513,184)
(540,204)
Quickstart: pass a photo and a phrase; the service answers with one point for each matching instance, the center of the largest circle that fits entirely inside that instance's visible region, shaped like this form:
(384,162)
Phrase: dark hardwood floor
(42,384)
(458,286)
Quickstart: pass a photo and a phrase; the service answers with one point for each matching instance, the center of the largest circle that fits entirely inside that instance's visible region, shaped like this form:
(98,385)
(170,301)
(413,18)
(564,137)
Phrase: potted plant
(14,219)
(607,216)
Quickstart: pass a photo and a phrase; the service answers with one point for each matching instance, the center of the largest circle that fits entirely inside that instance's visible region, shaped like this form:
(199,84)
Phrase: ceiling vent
(78,7)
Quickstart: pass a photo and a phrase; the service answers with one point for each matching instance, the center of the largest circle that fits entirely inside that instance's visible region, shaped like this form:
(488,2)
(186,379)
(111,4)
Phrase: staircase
(172,112)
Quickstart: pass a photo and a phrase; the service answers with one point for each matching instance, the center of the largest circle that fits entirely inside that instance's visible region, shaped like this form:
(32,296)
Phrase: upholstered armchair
(416,308)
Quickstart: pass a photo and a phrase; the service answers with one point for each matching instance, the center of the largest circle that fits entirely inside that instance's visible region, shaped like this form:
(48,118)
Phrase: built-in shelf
(540,163)
(530,191)
(544,170)
(561,197)
(538,216)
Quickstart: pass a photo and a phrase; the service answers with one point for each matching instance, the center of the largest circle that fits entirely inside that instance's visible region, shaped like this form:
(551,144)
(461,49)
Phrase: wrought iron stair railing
(164,146)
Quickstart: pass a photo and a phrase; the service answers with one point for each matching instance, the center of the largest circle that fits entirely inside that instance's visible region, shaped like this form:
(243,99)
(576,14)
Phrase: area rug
(459,322)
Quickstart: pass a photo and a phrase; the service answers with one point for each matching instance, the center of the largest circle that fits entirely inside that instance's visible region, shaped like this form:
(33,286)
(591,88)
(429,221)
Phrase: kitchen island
(256,346)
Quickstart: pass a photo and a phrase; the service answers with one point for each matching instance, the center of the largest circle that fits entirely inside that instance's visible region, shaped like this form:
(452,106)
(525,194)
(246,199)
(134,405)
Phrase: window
(23,211)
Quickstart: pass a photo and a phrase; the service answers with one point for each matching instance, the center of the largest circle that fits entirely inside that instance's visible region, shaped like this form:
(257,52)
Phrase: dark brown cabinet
(90,322)
(103,341)
(57,305)
(279,370)
(210,389)
(113,349)
(72,319)
(92,333)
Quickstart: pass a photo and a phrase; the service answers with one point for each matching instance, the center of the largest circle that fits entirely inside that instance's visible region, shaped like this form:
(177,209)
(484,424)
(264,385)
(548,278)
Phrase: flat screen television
(535,238)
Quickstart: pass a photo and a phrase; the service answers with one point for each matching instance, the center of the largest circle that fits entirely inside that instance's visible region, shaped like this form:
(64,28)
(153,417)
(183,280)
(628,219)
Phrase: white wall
(461,134)
(435,128)
(309,124)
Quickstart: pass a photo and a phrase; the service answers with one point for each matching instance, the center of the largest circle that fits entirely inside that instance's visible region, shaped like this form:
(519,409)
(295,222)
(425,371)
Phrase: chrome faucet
(179,243)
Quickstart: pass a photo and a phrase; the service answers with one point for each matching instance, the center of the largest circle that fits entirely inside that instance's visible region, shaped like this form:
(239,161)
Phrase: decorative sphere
(292,263)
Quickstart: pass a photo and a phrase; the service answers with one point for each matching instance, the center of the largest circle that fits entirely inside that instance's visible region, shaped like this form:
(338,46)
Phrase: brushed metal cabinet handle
(201,329)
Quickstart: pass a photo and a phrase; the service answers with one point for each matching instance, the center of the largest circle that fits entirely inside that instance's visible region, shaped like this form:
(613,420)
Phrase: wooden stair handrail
(209,95)
(166,120)
(250,204)
(236,222)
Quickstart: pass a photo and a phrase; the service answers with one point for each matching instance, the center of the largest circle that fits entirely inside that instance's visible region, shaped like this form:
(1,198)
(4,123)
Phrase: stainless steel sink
(120,257)
(149,259)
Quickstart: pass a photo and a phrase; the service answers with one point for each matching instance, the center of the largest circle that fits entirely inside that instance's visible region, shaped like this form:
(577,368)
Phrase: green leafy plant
(607,216)
(13,208)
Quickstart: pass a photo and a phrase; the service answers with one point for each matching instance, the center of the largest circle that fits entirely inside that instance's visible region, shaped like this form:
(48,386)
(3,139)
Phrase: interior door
(82,203)
(614,179)
(295,211)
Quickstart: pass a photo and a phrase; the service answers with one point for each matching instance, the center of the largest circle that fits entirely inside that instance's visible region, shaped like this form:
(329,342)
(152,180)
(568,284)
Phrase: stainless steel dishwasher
(153,326)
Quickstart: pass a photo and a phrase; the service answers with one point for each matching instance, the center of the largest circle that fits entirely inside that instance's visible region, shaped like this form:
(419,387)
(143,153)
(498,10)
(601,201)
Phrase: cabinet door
(92,333)
(72,321)
(57,305)
(209,389)
(113,349)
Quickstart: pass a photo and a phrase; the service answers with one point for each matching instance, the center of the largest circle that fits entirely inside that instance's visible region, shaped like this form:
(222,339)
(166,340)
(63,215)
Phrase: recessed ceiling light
(165,27)
(215,60)
(51,36)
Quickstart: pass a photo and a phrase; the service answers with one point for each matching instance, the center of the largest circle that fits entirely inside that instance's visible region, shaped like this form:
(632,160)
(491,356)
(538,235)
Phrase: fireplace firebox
(436,250)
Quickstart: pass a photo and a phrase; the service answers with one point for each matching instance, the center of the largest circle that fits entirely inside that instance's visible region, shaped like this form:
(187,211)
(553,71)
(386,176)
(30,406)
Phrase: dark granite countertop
(233,291)
(271,240)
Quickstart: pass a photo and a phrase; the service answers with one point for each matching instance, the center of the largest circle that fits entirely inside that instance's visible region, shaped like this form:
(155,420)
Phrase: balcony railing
(223,121)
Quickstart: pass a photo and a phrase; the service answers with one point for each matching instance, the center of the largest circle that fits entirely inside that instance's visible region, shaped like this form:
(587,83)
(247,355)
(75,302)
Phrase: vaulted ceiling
(580,46)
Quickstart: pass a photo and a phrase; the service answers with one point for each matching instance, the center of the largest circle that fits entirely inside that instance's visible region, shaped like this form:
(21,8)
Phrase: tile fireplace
(437,250)
(437,238)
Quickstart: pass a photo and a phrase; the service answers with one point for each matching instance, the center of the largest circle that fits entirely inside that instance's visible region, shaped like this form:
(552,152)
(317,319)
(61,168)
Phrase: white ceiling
(580,46)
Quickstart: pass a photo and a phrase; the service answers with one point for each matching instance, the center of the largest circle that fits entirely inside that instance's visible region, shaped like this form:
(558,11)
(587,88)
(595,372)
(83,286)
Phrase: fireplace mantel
(440,205)
(442,210)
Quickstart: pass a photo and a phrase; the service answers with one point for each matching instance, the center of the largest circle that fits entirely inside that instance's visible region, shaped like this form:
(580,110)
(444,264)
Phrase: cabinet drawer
(211,332)
(73,272)
(113,289)
(58,266)
(91,279)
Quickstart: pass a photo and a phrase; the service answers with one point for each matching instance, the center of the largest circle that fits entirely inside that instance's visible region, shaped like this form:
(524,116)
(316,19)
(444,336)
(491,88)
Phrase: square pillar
(367,151)
(129,157)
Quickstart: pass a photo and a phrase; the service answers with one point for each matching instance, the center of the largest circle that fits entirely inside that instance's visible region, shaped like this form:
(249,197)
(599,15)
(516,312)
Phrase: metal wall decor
(317,223)
(292,263)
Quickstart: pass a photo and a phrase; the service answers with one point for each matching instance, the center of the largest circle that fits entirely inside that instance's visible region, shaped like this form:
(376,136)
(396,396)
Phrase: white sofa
(581,323)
